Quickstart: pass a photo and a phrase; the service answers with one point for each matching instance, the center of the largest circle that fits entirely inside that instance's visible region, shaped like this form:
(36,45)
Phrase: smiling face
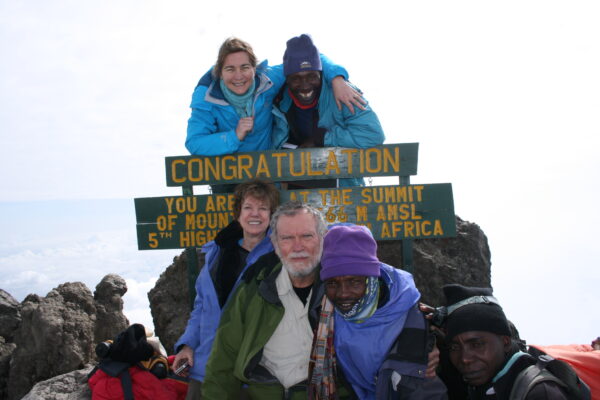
(298,244)
(237,72)
(478,355)
(254,217)
(304,85)
(345,291)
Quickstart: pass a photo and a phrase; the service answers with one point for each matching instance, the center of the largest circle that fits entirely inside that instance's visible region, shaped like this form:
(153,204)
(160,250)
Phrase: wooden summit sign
(290,165)
(391,212)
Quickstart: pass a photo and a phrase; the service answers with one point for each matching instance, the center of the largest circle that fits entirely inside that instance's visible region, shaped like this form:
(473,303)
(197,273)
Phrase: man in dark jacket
(480,347)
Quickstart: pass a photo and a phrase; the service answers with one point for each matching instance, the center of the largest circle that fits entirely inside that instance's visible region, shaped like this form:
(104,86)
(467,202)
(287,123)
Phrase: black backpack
(548,369)
(129,348)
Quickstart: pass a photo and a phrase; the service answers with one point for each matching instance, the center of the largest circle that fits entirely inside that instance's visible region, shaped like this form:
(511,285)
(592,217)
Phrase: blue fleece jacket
(204,318)
(211,127)
(361,348)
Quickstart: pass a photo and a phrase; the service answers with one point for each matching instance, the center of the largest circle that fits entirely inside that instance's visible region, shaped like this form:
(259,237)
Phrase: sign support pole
(407,244)
(191,258)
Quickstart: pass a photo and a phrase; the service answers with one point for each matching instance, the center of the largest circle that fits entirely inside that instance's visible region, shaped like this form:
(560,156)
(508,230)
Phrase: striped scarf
(322,369)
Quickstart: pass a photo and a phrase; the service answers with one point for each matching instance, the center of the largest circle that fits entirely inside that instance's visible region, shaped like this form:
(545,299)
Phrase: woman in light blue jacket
(236,246)
(231,105)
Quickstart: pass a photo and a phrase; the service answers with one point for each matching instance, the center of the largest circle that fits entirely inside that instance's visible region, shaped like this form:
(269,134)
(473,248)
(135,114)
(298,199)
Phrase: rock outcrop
(10,315)
(57,334)
(108,299)
(463,259)
(170,301)
(6,350)
(69,386)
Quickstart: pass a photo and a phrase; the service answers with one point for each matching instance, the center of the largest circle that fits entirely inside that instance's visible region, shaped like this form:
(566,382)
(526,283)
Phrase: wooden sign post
(403,212)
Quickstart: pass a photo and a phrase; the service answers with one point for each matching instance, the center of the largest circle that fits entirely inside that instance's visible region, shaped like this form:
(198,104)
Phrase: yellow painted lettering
(346,199)
(244,165)
(169,201)
(385,231)
(221,201)
(392,212)
(391,161)
(210,204)
(413,212)
(361,213)
(437,228)
(212,170)
(366,195)
(262,169)
(228,169)
(348,153)
(332,164)
(323,193)
(278,157)
(174,176)
(380,213)
(425,228)
(409,227)
(396,228)
(302,171)
(195,165)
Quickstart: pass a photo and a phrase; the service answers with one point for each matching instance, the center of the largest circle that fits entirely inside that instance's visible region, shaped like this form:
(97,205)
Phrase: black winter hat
(473,309)
(131,346)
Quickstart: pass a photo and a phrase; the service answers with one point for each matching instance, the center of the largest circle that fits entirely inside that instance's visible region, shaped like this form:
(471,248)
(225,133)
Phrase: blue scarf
(367,305)
(242,104)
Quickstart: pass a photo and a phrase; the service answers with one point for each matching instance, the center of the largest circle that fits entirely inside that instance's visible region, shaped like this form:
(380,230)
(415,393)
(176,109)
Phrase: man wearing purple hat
(307,114)
(370,325)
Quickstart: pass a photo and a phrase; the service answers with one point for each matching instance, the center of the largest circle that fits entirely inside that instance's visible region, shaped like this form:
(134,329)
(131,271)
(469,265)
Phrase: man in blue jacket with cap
(307,115)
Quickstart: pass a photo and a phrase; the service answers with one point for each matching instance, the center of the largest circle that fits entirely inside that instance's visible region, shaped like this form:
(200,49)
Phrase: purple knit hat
(349,250)
(301,55)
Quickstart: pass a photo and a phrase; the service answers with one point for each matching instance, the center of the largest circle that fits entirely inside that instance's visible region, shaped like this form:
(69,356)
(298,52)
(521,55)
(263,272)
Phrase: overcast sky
(503,97)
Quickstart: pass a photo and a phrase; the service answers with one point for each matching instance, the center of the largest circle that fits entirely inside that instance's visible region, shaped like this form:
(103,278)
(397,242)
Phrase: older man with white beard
(266,331)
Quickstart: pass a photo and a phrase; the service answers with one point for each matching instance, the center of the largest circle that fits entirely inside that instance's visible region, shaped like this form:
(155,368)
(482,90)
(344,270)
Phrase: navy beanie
(301,55)
(349,250)
(487,317)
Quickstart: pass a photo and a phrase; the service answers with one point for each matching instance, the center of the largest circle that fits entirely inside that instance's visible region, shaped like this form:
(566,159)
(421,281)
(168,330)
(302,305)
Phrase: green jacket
(248,321)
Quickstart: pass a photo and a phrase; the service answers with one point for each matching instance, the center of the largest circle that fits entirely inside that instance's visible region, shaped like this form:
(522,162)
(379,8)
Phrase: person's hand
(426,310)
(244,126)
(346,94)
(186,354)
(433,360)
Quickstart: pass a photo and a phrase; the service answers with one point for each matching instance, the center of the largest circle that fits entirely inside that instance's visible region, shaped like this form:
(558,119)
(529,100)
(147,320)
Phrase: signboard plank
(391,212)
(292,165)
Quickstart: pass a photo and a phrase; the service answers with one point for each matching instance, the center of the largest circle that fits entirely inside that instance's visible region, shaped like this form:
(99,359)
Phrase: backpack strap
(531,376)
(118,369)
(126,385)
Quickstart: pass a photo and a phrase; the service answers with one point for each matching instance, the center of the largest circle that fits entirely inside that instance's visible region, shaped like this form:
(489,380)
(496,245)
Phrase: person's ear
(507,343)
